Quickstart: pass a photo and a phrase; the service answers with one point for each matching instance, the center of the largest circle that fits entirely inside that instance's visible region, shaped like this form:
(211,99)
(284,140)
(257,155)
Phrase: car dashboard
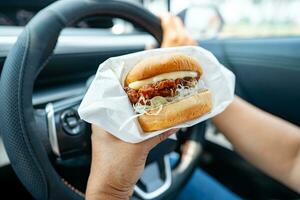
(76,58)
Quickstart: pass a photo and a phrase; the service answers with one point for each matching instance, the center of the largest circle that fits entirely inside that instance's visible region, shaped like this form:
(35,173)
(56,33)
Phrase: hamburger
(166,90)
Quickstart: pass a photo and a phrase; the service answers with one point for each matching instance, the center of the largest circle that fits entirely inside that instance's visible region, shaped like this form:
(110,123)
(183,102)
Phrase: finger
(169,39)
(171,23)
(163,15)
(178,23)
(165,19)
(186,38)
(152,142)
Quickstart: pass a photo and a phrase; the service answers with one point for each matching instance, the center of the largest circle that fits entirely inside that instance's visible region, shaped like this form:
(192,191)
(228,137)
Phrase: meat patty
(165,88)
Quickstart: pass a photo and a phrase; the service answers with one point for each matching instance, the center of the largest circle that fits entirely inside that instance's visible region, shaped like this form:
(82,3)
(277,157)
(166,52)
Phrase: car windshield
(240,18)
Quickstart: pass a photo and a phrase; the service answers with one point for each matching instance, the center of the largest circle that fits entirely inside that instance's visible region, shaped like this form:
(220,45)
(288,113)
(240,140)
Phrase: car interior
(49,53)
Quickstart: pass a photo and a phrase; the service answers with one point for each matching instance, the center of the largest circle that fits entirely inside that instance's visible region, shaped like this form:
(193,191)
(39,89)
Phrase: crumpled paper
(106,103)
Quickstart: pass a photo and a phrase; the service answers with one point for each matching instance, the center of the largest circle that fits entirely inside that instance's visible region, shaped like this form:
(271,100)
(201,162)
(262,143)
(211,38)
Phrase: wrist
(105,191)
(108,195)
(102,187)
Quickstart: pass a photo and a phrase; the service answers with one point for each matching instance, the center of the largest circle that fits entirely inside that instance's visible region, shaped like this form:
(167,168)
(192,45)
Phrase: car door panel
(267,72)
(268,75)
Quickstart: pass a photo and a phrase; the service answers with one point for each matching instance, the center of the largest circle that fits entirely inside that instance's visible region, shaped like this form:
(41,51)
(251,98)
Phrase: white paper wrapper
(106,104)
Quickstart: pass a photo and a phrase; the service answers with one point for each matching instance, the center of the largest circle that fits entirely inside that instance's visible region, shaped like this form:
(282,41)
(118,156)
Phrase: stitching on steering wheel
(21,112)
(72,187)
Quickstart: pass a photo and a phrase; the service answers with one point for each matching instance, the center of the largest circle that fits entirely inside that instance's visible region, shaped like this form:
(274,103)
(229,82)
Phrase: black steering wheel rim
(21,127)
(26,59)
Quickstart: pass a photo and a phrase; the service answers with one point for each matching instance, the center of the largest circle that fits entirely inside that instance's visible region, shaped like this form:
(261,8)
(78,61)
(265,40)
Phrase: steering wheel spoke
(68,134)
(155,180)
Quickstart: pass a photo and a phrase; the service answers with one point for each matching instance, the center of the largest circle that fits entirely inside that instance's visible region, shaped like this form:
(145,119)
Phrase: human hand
(174,32)
(117,165)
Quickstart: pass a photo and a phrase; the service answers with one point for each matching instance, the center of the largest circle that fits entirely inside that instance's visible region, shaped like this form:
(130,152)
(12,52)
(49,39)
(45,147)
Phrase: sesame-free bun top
(160,64)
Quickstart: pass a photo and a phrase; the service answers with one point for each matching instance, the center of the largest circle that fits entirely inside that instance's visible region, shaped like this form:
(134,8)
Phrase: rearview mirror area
(202,21)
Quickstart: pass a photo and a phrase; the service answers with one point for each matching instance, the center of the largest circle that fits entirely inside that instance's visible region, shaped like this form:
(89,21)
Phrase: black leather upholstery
(26,59)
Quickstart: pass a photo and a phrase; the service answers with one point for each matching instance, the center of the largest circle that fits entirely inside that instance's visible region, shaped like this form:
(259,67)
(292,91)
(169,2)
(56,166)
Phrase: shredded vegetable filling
(151,98)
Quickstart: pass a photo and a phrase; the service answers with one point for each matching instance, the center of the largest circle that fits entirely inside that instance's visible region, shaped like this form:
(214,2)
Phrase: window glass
(252,18)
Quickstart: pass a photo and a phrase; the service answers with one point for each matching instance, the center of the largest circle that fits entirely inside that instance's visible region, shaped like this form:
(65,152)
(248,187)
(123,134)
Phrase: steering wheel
(34,137)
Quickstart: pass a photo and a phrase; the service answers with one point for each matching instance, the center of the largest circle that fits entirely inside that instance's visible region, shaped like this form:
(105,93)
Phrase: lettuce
(154,106)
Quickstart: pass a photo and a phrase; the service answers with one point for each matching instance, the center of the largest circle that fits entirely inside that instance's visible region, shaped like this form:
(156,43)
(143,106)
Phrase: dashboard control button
(71,122)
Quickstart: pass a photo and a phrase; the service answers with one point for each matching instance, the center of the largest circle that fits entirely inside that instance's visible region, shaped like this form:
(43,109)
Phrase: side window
(251,18)
(260,18)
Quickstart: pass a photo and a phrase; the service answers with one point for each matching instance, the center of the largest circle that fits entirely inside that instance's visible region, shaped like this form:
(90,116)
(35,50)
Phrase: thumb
(152,142)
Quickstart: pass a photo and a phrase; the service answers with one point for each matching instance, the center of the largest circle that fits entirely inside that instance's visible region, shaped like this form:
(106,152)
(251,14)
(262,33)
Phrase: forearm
(268,142)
